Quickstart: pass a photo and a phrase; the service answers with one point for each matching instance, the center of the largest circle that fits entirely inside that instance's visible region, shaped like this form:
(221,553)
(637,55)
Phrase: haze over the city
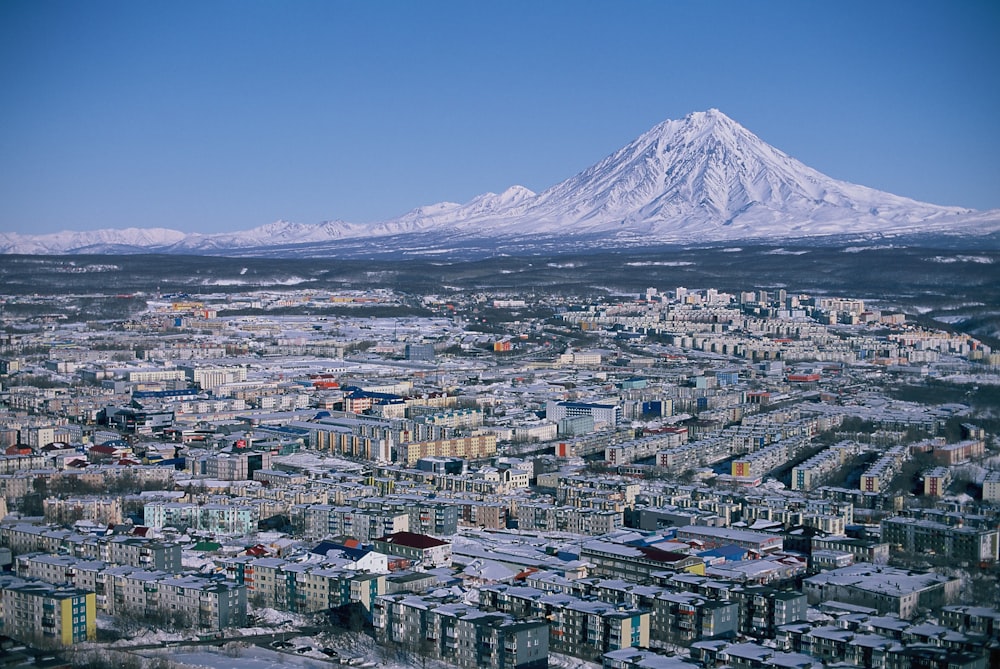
(226,116)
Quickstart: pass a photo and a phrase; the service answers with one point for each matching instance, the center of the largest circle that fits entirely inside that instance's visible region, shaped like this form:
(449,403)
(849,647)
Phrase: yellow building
(471,448)
(44,614)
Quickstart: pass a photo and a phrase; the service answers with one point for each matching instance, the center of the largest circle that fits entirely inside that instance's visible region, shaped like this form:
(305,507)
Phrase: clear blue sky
(215,115)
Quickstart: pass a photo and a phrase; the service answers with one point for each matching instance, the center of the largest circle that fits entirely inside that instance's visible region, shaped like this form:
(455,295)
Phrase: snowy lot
(244,657)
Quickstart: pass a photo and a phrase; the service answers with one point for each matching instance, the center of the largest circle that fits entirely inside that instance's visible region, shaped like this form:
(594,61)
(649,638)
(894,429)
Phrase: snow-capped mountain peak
(704,178)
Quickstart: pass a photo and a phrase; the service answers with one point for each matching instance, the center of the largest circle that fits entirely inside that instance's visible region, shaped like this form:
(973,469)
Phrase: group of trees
(125,483)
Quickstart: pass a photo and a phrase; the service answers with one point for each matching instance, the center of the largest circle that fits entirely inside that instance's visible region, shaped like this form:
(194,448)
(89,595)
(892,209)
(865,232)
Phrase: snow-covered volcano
(701,178)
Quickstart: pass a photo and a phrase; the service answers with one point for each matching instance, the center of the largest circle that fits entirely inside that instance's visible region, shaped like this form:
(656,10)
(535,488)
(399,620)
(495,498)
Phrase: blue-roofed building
(729,553)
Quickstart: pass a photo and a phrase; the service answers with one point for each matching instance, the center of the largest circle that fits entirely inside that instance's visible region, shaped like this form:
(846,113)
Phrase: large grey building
(461,634)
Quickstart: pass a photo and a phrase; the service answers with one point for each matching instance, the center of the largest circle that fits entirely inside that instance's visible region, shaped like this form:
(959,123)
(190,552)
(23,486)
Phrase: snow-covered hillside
(701,178)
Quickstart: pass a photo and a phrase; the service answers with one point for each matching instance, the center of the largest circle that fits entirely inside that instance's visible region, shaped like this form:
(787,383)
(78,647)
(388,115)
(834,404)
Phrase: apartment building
(456,418)
(105,510)
(44,614)
(645,447)
(181,598)
(590,629)
(542,517)
(763,609)
(818,469)
(323,520)
(185,599)
(133,551)
(991,487)
(936,481)
(107,475)
(492,515)
(751,468)
(878,477)
(231,465)
(979,620)
(279,478)
(603,413)
(592,491)
(886,589)
(863,550)
(963,451)
(154,375)
(461,634)
(211,377)
(684,617)
(425,516)
(19,463)
(304,588)
(960,543)
(578,626)
(231,519)
(59,569)
(474,447)
(139,552)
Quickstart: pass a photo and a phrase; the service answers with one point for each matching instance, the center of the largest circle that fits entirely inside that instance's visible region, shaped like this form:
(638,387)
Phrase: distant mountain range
(704,178)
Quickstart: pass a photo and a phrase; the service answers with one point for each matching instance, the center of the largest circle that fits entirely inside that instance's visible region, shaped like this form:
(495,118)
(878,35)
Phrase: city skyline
(226,116)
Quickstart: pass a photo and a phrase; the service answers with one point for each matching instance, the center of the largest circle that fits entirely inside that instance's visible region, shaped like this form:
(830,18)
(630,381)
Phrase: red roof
(412,540)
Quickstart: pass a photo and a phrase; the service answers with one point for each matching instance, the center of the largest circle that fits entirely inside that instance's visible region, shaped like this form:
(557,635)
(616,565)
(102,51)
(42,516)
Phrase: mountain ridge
(704,177)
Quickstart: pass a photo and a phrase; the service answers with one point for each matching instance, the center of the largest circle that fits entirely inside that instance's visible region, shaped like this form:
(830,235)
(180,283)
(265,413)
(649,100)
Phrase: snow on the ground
(235,657)
(266,621)
(569,662)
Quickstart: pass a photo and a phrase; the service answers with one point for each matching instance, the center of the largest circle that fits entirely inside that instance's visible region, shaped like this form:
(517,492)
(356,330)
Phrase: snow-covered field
(234,657)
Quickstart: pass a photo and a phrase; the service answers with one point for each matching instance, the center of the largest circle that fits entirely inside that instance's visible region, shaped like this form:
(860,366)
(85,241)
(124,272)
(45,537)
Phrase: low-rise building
(419,548)
(886,589)
(636,563)
(758,543)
